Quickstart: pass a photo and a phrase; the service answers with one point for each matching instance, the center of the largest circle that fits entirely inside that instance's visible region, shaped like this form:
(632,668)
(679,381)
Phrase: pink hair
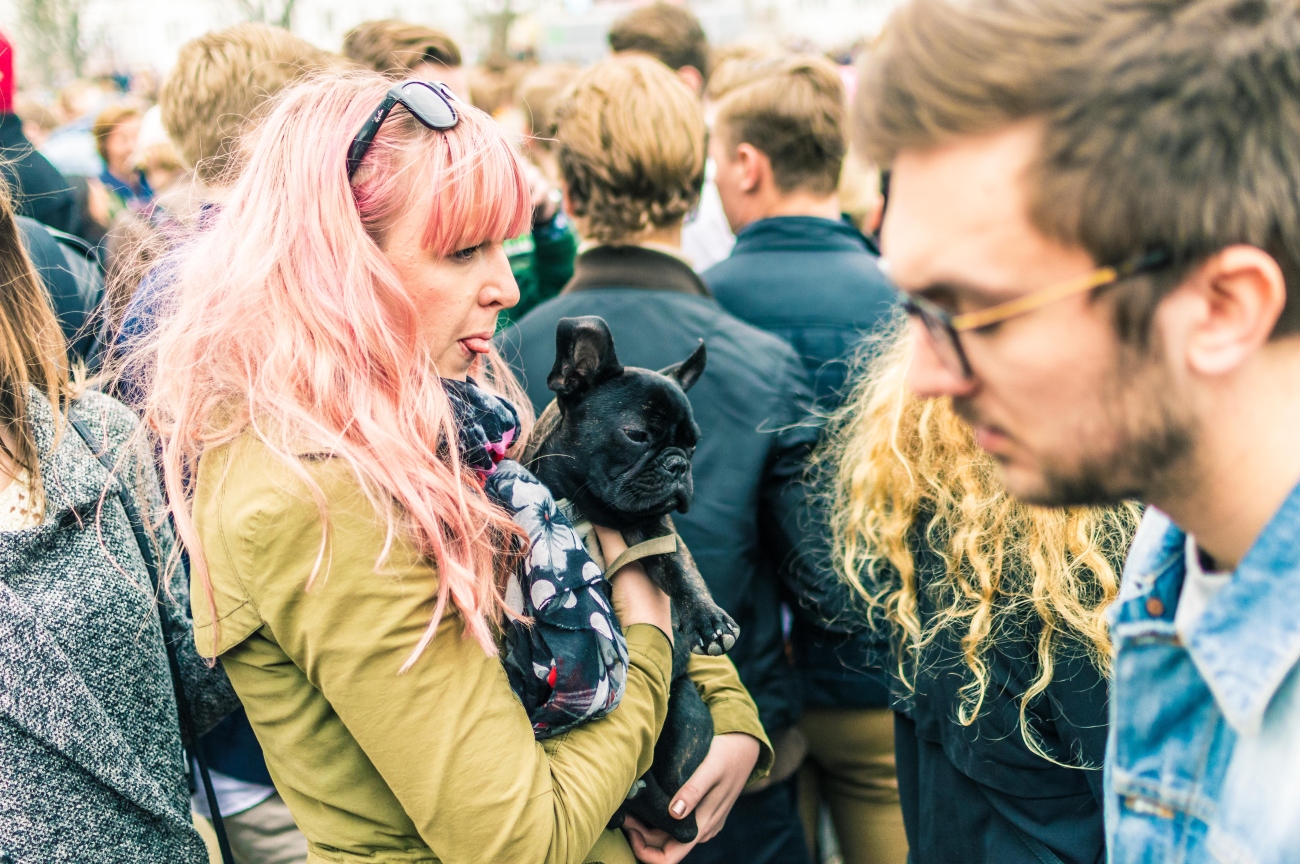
(289,320)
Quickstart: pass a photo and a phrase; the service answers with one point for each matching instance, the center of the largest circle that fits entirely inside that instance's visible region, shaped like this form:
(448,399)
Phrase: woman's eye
(636,435)
(466,254)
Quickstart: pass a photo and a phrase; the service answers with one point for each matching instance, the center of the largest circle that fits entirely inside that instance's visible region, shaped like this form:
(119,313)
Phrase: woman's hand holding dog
(637,600)
(711,792)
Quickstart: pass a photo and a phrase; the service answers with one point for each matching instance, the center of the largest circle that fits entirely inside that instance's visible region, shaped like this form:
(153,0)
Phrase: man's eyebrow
(949,289)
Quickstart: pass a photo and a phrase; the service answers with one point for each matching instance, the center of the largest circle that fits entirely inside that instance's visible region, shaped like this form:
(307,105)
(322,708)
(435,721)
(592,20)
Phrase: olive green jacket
(435,765)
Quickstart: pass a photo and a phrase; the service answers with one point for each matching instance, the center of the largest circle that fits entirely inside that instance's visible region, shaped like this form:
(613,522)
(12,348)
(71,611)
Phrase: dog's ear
(689,370)
(584,356)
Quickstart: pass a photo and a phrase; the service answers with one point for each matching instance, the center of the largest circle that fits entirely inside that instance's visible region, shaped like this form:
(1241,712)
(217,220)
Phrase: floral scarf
(570,665)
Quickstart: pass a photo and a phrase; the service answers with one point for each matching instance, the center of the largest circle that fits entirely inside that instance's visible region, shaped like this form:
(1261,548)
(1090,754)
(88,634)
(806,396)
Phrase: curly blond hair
(892,460)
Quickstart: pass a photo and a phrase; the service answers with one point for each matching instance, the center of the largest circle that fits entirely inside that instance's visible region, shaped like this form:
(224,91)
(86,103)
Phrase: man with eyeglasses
(1095,218)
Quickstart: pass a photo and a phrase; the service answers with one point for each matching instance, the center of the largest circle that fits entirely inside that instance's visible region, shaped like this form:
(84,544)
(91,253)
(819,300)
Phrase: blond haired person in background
(631,147)
(995,608)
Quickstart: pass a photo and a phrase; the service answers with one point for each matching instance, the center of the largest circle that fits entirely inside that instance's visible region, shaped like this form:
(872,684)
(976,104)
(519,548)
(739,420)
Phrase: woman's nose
(500,287)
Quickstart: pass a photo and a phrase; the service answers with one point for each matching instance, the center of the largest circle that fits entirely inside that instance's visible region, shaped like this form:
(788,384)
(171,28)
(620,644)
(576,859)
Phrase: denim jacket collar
(1248,640)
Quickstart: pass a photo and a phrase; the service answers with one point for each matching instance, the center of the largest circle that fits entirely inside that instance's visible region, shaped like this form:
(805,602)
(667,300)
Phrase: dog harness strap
(665,545)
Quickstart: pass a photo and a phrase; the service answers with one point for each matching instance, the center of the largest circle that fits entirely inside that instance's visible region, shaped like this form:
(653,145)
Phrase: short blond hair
(219,82)
(393,48)
(794,115)
(631,141)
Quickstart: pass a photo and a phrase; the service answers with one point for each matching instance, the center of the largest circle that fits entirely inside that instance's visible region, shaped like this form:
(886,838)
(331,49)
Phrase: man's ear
(1238,296)
(584,356)
(755,166)
(687,372)
(693,78)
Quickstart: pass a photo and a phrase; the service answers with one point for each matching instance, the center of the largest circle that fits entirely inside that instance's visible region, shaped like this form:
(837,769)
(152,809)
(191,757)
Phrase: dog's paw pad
(716,634)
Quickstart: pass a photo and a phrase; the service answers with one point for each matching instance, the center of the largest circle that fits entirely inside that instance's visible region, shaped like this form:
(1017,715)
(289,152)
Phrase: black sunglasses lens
(430,106)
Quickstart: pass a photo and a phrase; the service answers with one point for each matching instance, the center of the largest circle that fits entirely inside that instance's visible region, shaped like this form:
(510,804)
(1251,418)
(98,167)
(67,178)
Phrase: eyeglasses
(430,102)
(944,328)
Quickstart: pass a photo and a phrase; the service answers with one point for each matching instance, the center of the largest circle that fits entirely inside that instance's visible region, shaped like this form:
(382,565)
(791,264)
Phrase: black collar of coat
(613,266)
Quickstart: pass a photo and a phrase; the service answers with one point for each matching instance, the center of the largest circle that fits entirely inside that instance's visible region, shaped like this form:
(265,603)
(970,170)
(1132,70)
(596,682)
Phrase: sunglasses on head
(430,102)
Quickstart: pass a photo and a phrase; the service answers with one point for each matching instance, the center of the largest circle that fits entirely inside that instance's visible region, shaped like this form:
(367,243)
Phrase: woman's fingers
(647,843)
(652,846)
(713,788)
(612,543)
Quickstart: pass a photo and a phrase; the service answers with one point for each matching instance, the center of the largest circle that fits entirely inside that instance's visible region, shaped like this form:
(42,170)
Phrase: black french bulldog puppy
(617,442)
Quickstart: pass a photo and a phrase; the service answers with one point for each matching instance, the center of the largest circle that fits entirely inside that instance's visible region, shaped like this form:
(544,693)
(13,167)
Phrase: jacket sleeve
(448,736)
(730,705)
(207,689)
(795,531)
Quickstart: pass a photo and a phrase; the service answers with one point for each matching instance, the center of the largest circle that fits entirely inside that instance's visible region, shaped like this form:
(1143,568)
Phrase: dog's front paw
(715,632)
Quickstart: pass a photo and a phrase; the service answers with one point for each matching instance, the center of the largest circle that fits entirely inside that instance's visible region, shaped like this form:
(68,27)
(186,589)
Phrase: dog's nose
(677,465)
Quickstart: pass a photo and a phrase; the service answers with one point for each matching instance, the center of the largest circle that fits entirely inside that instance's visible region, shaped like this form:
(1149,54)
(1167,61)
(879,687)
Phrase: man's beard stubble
(1152,432)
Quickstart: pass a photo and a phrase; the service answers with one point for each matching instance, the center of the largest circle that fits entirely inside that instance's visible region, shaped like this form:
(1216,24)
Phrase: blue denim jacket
(1203,759)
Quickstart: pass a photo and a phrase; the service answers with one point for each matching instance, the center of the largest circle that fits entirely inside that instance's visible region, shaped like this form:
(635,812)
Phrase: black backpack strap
(188,738)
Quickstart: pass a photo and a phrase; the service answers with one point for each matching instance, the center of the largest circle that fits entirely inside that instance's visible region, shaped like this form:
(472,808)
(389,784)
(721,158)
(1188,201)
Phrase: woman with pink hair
(336,430)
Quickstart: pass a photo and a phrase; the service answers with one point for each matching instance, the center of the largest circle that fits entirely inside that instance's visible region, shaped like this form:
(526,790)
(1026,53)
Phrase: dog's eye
(637,436)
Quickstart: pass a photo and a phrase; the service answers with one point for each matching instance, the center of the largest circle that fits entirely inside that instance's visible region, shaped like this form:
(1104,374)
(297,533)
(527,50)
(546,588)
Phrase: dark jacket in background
(38,189)
(74,279)
(90,748)
(977,794)
(816,284)
(813,282)
(752,405)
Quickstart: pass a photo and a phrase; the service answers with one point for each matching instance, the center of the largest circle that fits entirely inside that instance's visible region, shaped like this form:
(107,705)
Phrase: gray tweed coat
(91,767)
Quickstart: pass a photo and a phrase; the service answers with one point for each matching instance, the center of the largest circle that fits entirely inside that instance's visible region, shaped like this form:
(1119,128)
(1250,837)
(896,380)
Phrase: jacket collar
(1248,640)
(610,266)
(801,234)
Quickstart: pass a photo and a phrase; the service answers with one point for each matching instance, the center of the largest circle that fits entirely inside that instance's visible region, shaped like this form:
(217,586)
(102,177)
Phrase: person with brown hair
(403,50)
(1094,212)
(669,33)
(93,766)
(116,130)
(801,271)
(631,148)
(673,35)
